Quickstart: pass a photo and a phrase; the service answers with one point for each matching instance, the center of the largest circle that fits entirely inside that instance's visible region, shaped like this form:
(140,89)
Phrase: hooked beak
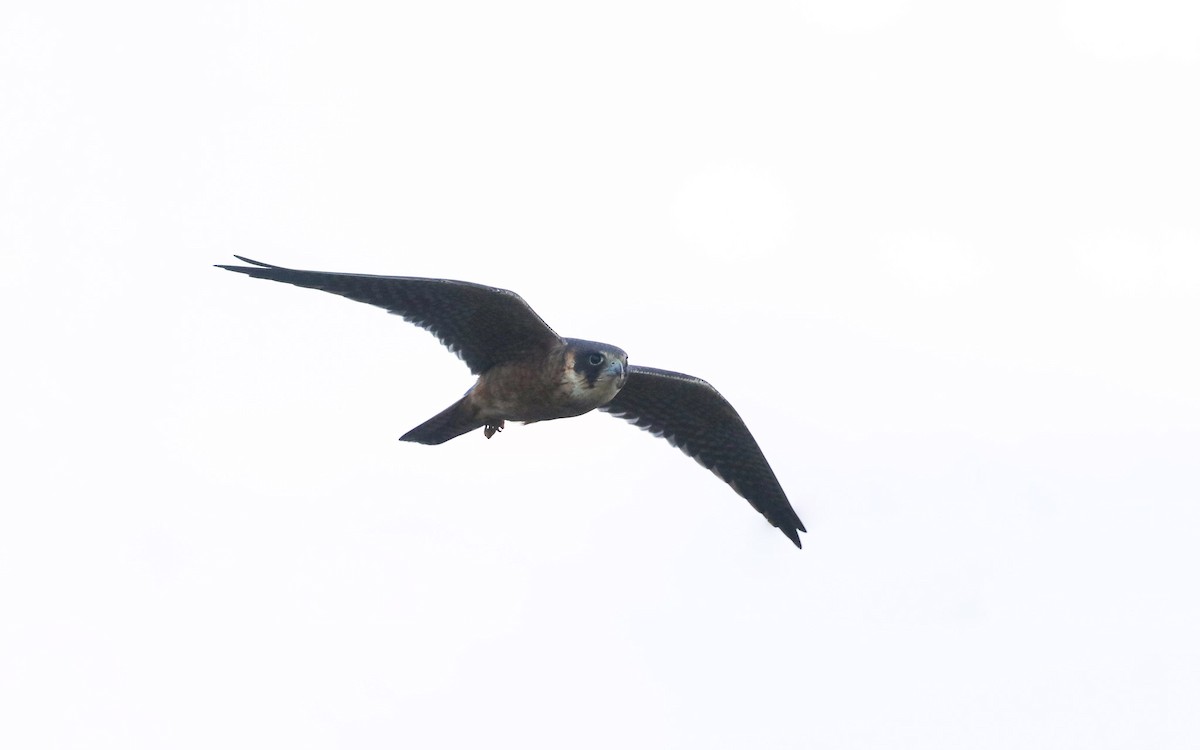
(617,369)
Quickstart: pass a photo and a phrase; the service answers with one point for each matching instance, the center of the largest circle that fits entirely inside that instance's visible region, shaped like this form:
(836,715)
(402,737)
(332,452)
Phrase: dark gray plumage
(697,420)
(529,373)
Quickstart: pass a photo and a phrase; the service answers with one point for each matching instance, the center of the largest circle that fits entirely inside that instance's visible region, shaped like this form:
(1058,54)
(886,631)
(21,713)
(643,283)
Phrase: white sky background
(944,260)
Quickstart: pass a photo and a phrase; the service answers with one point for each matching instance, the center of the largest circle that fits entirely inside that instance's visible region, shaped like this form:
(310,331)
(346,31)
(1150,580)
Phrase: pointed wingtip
(243,269)
(253,262)
(251,270)
(792,534)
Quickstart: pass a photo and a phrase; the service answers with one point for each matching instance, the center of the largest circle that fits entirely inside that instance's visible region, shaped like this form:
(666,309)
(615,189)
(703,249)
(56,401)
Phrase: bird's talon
(492,429)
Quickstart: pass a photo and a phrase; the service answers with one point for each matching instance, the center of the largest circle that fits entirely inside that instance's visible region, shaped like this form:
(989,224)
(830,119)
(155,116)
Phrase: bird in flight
(528,373)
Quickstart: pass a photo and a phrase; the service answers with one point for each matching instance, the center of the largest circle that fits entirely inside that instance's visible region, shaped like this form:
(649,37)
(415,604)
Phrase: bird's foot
(492,429)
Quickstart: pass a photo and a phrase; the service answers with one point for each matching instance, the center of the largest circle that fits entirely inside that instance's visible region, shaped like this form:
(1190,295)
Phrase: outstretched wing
(483,325)
(697,420)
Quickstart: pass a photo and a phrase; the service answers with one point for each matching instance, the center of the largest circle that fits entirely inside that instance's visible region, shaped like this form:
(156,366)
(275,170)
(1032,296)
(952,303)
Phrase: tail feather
(454,421)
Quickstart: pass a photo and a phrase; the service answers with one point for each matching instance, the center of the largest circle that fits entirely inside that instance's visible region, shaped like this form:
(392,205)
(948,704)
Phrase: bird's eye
(595,359)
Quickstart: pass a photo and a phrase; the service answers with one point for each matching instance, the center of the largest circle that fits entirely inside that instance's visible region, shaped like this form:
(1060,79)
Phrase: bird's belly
(524,395)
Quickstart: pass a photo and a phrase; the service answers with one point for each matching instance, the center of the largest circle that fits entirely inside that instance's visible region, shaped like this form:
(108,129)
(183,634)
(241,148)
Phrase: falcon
(528,373)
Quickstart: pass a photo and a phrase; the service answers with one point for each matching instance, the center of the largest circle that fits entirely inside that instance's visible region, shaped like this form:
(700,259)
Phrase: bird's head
(596,367)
